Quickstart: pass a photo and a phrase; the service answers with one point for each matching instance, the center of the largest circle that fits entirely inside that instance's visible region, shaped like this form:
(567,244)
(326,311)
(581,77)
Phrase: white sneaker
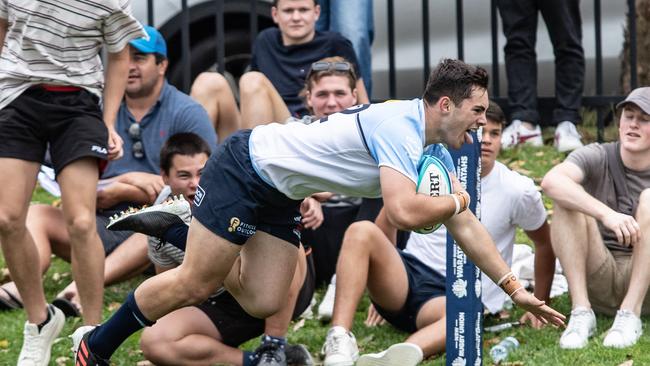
(37,346)
(400,354)
(567,137)
(625,331)
(518,134)
(326,307)
(154,220)
(340,348)
(582,325)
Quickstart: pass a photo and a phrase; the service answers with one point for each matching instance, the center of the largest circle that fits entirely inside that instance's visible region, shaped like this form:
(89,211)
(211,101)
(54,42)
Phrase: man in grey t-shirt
(601,207)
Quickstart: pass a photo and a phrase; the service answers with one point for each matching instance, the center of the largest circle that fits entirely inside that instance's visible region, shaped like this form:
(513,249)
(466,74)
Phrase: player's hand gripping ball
(433,180)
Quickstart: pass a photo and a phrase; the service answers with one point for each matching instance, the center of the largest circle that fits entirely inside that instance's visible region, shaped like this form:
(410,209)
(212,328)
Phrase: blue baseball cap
(155,43)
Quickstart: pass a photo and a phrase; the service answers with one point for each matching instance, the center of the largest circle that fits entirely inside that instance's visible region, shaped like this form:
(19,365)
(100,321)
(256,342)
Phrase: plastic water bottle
(501,350)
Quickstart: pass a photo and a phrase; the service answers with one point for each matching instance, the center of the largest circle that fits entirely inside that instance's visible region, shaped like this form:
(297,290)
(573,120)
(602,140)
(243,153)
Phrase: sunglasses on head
(336,66)
(137,148)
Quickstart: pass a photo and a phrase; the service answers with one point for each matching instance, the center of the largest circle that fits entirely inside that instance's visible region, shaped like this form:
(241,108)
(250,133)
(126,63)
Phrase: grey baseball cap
(640,97)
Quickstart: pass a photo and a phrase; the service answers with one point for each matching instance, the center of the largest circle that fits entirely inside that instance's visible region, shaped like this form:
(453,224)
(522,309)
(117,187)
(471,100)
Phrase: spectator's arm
(120,192)
(117,72)
(544,261)
(149,184)
(322,196)
(3,32)
(563,185)
(362,93)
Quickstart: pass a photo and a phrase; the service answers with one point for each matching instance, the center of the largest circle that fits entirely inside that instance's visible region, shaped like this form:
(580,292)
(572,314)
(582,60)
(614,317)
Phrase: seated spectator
(152,111)
(281,59)
(419,307)
(601,212)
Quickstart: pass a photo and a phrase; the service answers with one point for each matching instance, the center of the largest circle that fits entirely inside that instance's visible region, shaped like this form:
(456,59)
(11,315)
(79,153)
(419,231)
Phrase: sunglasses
(331,66)
(137,148)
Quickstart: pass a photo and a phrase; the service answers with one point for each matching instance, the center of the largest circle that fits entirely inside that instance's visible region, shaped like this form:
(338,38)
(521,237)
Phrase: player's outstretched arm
(477,244)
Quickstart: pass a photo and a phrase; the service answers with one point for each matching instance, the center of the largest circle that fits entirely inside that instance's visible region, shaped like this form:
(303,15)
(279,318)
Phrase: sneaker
(625,331)
(400,354)
(517,134)
(270,353)
(340,348)
(567,137)
(154,220)
(298,355)
(326,307)
(82,353)
(582,325)
(37,345)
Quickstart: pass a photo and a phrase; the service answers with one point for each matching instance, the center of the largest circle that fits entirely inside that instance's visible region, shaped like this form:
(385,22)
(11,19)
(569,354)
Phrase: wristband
(517,290)
(457,202)
(509,283)
(504,278)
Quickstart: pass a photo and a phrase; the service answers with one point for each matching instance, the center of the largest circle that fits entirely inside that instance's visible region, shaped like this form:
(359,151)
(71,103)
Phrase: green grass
(537,347)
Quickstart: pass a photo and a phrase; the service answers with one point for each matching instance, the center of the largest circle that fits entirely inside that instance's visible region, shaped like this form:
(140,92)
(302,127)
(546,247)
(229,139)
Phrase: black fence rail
(218,13)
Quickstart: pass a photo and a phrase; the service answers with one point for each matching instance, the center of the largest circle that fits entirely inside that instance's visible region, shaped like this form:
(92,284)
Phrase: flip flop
(11,303)
(69,309)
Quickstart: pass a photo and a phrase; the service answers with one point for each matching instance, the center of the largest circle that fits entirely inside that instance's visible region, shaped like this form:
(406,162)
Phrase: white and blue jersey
(341,153)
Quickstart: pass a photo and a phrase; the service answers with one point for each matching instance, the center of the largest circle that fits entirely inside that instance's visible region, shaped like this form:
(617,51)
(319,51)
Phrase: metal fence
(600,102)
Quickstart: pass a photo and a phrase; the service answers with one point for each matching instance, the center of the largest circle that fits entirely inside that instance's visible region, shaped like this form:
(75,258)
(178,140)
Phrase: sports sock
(128,319)
(281,341)
(47,320)
(176,235)
(249,359)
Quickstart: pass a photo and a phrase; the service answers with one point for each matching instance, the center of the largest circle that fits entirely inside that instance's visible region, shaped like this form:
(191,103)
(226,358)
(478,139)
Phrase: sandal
(11,302)
(69,309)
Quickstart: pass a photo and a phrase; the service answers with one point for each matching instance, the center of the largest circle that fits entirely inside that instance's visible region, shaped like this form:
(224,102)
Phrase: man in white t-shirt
(418,305)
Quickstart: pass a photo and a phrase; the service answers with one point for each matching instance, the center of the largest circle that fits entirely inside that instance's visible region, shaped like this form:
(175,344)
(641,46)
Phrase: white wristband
(504,278)
(515,291)
(457,202)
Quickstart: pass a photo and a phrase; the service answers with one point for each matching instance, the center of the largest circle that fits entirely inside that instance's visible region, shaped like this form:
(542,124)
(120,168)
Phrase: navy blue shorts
(424,285)
(233,202)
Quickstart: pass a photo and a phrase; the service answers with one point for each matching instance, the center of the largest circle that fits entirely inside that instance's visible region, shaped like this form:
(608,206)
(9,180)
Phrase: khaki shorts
(608,285)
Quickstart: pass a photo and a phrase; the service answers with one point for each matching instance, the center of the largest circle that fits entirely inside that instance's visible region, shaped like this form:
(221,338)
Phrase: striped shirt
(59,41)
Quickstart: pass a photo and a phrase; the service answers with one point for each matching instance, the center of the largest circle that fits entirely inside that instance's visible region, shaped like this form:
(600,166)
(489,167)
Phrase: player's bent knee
(361,231)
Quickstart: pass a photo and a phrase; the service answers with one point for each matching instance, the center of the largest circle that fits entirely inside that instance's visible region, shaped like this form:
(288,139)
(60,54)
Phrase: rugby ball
(433,180)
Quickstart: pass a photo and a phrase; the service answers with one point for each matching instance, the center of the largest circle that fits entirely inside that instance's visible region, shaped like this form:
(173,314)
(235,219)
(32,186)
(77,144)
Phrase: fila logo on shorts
(99,149)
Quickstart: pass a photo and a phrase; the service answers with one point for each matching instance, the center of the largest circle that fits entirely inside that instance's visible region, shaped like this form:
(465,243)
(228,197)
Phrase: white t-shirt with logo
(508,200)
(341,153)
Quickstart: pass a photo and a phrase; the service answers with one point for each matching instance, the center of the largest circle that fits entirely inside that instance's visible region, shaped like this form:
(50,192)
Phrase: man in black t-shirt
(281,59)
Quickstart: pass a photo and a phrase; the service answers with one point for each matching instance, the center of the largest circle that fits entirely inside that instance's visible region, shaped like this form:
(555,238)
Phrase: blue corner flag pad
(464,307)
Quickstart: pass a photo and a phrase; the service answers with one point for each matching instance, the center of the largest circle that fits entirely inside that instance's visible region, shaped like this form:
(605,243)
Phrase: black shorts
(236,326)
(71,122)
(424,285)
(233,201)
(110,239)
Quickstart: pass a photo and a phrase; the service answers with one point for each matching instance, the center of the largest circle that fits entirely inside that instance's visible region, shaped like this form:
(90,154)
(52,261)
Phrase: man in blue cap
(151,111)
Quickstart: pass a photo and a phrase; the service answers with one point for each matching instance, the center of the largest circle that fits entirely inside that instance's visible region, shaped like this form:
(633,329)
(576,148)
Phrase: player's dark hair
(185,143)
(494,113)
(454,79)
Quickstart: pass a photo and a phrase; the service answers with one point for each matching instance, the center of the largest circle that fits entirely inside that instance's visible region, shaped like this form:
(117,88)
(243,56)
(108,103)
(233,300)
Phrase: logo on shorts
(234,223)
(198,196)
(241,228)
(99,149)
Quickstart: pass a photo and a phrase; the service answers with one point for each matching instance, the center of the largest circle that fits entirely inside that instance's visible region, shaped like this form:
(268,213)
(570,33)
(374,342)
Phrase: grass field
(537,347)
